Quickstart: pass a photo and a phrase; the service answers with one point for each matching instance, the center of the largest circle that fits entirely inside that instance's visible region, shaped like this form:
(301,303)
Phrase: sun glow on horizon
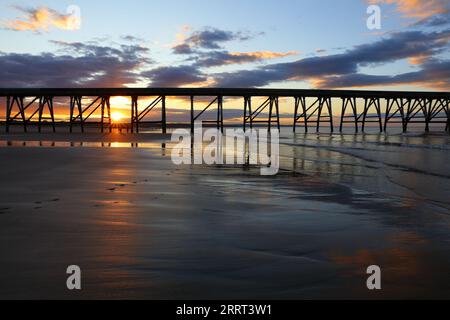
(120,105)
(117,116)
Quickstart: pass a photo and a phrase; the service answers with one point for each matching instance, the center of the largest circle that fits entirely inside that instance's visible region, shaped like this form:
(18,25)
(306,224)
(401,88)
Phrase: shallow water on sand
(141,227)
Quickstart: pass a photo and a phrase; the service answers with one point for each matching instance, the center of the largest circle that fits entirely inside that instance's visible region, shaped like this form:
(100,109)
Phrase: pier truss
(80,115)
(138,116)
(318,108)
(271,103)
(219,119)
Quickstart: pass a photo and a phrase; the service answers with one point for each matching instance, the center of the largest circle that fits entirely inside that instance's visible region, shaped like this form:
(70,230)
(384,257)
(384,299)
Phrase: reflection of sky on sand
(141,227)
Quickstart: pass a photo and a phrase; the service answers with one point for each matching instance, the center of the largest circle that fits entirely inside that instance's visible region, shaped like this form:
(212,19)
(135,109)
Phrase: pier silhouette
(312,107)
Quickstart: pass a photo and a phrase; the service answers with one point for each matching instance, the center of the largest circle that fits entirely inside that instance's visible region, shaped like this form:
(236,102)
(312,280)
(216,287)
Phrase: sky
(314,44)
(232,43)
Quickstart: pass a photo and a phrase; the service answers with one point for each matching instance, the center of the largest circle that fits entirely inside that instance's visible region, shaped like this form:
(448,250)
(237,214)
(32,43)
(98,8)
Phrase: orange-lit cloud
(262,55)
(41,19)
(417,8)
(223,57)
(418,60)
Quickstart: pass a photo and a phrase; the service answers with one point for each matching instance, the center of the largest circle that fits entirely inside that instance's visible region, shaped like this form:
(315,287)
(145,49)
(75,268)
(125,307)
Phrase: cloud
(403,45)
(417,8)
(205,48)
(174,76)
(130,38)
(433,73)
(183,48)
(132,53)
(211,38)
(219,58)
(41,19)
(208,38)
(79,65)
(91,64)
(437,20)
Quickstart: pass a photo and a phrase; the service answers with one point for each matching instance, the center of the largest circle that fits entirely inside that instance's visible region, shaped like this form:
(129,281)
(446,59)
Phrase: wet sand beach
(141,227)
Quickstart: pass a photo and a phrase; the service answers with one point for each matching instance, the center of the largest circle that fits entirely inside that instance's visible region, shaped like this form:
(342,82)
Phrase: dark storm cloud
(79,65)
(174,76)
(398,46)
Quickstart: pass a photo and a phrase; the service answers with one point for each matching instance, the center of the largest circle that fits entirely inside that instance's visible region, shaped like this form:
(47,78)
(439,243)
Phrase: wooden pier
(315,108)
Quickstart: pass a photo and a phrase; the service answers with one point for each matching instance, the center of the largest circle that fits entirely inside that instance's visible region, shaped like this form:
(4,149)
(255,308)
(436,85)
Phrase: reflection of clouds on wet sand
(410,266)
(141,227)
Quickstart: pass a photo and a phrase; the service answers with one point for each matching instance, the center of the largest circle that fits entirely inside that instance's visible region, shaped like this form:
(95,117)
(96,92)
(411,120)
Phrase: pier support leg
(447,111)
(405,119)
(321,100)
(330,113)
(80,110)
(8,112)
(41,112)
(192,114)
(297,104)
(52,113)
(250,112)
(132,120)
(277,107)
(220,113)
(108,108)
(303,102)
(163,115)
(388,111)
(102,114)
(71,106)
(269,122)
(378,108)
(134,115)
(355,113)
(366,108)
(344,107)
(244,122)
(22,112)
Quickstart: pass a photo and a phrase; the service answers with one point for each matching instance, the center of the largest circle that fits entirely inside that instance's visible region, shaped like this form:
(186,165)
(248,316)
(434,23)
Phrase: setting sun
(116,116)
